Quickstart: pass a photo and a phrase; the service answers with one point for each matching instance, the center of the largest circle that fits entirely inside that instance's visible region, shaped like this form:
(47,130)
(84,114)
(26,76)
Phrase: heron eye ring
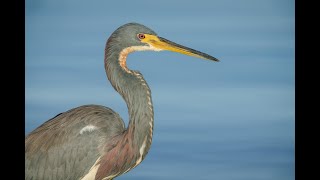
(141,36)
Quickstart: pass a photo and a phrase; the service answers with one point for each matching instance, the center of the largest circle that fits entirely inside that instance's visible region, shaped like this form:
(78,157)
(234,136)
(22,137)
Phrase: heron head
(143,38)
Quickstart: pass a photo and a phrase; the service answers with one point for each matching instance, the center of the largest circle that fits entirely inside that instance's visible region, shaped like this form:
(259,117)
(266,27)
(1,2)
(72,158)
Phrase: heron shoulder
(77,122)
(77,135)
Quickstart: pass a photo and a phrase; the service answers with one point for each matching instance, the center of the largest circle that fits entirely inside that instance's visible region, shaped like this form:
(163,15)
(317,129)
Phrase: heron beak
(164,44)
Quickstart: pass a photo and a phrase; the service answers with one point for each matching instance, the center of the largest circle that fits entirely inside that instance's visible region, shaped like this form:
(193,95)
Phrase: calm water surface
(232,120)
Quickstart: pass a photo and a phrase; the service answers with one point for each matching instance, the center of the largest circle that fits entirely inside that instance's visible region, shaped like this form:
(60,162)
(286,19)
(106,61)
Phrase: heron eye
(141,36)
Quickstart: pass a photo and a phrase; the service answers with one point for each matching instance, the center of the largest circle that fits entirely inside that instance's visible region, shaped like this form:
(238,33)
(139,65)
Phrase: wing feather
(57,149)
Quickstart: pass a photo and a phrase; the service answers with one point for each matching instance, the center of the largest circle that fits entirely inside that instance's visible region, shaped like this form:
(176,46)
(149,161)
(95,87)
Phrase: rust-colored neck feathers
(130,148)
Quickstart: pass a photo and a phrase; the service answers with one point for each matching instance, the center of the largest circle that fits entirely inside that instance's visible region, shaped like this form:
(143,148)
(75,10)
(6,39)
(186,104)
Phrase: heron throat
(135,91)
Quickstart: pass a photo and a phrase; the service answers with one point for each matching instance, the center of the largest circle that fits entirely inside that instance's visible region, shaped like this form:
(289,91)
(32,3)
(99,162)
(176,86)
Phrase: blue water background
(232,120)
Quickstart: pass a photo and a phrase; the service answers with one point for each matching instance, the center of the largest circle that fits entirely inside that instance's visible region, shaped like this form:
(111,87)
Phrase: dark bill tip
(189,50)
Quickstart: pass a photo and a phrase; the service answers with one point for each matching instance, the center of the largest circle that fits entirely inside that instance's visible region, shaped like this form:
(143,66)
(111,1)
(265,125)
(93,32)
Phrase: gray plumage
(59,151)
(91,141)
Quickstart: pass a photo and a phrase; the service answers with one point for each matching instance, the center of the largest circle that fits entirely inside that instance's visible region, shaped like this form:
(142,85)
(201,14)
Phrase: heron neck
(137,95)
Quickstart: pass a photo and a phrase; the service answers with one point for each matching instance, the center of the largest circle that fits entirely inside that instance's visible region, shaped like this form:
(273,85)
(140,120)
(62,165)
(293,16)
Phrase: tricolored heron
(90,142)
